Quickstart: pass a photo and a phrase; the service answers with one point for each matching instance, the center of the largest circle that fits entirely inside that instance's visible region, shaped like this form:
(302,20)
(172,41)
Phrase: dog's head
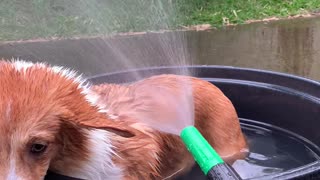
(46,119)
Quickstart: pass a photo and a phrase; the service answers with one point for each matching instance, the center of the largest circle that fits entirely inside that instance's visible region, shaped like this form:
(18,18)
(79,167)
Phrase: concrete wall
(290,46)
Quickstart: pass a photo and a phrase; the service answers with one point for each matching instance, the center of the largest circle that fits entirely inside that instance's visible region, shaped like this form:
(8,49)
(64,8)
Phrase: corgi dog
(52,119)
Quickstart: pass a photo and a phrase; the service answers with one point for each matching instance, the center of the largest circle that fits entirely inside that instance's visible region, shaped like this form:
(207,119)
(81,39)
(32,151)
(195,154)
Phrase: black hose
(222,172)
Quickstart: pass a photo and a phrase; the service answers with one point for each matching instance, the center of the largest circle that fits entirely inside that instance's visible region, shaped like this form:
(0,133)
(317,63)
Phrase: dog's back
(215,117)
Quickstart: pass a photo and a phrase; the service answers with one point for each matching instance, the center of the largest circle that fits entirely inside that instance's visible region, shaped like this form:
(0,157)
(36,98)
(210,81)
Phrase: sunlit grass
(217,12)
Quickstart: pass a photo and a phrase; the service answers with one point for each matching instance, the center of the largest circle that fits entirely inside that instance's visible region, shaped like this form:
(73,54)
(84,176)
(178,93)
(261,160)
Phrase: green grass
(29,19)
(237,12)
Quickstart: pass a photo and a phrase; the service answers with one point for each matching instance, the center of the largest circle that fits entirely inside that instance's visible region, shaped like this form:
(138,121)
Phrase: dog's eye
(38,148)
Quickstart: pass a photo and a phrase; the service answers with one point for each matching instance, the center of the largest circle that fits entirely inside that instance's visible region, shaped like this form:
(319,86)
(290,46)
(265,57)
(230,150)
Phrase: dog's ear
(117,127)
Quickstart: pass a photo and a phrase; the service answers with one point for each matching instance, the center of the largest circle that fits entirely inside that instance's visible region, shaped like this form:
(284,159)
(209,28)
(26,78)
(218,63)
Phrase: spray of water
(167,108)
(104,18)
(160,107)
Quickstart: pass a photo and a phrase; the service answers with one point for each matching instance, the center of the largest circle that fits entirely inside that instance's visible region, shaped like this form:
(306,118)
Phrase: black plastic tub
(267,98)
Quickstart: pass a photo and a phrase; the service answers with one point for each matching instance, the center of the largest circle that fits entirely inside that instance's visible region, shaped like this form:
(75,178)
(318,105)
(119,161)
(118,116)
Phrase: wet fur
(89,132)
(215,117)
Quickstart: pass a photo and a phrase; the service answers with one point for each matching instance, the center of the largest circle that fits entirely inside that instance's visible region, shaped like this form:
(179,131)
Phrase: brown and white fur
(85,137)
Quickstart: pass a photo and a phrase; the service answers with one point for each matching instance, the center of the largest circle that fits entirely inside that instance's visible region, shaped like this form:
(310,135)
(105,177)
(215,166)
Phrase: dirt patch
(203,27)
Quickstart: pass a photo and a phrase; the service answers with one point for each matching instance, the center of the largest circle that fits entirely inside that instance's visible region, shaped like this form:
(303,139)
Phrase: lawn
(220,12)
(29,19)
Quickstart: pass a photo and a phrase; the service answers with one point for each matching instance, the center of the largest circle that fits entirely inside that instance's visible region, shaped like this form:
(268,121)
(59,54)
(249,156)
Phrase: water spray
(177,117)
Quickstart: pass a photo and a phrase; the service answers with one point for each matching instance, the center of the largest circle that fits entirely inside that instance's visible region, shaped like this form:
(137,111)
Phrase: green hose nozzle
(201,150)
(207,158)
